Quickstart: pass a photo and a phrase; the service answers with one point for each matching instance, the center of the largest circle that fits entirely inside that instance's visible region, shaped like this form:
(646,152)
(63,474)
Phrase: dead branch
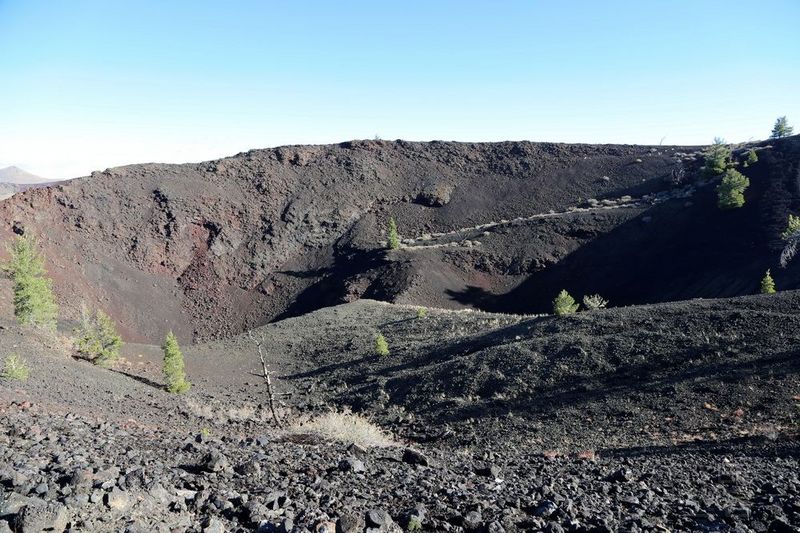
(266,373)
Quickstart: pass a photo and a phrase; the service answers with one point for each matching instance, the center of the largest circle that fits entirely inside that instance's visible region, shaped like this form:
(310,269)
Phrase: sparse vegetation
(414,523)
(781,129)
(594,301)
(731,189)
(97,339)
(393,238)
(15,367)
(792,227)
(717,158)
(752,158)
(768,284)
(564,304)
(174,373)
(422,312)
(792,237)
(34,302)
(345,427)
(381,346)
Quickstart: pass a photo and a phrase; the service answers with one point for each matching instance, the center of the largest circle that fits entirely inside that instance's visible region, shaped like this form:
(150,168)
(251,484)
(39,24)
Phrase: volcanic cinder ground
(675,409)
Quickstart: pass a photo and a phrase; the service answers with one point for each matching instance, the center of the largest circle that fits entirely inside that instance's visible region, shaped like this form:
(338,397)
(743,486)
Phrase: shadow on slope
(674,251)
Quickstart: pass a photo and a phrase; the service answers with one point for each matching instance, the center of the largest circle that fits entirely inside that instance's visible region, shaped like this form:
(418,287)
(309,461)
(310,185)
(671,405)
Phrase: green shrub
(381,346)
(34,302)
(717,158)
(594,301)
(15,367)
(422,312)
(564,304)
(731,189)
(781,129)
(792,227)
(752,157)
(174,373)
(768,284)
(393,240)
(96,338)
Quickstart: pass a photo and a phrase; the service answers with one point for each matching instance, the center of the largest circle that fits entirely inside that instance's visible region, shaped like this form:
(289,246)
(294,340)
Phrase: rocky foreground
(670,417)
(63,471)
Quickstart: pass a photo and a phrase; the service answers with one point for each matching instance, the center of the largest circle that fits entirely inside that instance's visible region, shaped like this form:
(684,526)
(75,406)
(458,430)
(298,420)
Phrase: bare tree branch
(267,375)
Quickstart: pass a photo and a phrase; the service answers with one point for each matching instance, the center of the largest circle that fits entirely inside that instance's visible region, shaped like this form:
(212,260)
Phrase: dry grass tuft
(345,427)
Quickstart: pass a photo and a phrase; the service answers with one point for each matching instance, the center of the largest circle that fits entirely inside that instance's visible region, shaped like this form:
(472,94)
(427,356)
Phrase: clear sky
(89,84)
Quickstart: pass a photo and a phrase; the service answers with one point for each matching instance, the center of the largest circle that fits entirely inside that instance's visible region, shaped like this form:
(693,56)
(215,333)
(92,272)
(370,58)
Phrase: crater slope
(214,248)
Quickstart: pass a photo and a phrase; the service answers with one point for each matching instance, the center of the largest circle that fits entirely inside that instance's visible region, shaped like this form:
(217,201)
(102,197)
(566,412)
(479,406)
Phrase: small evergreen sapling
(393,240)
(564,304)
(174,373)
(381,346)
(768,284)
(792,227)
(717,158)
(730,191)
(752,158)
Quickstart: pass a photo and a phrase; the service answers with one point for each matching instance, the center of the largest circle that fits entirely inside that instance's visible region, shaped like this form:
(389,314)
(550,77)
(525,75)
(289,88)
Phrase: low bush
(422,312)
(97,339)
(15,367)
(594,301)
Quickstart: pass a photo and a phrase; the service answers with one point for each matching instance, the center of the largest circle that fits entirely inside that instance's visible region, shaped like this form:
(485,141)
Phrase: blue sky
(85,85)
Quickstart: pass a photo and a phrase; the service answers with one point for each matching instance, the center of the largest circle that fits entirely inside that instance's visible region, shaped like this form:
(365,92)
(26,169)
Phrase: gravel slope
(679,417)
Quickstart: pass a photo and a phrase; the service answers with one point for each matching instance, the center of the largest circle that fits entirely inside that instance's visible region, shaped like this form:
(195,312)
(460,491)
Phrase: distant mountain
(17,176)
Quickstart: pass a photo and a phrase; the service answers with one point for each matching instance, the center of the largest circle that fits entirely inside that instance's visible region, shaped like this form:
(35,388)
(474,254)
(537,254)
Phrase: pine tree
(564,304)
(730,191)
(792,227)
(717,158)
(381,346)
(97,338)
(768,284)
(34,302)
(174,374)
(781,129)
(393,238)
(752,157)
